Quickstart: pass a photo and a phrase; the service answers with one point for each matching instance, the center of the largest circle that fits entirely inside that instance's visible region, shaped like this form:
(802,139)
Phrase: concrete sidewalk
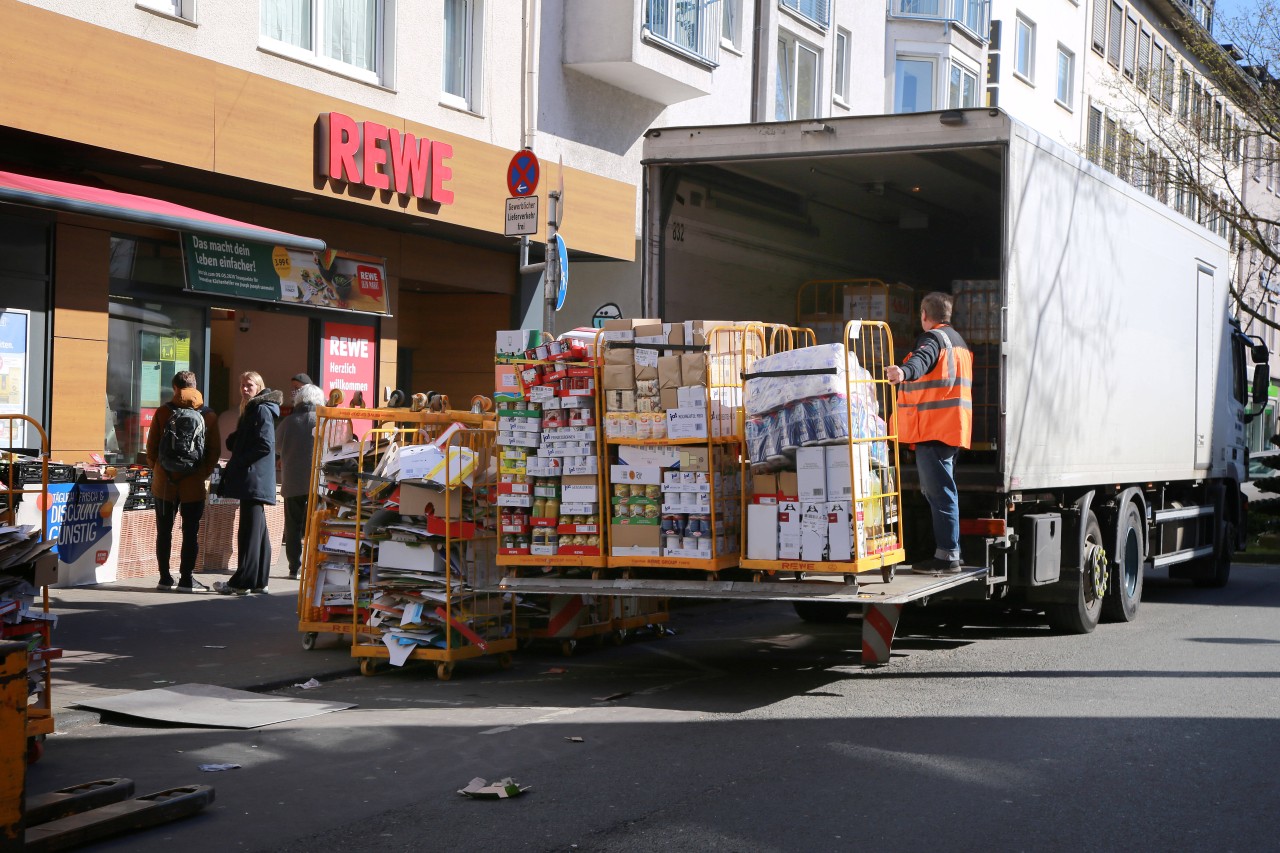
(129,636)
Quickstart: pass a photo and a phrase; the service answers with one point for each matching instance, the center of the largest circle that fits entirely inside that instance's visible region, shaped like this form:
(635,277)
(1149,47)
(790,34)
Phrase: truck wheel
(1089,584)
(822,612)
(1216,570)
(1124,592)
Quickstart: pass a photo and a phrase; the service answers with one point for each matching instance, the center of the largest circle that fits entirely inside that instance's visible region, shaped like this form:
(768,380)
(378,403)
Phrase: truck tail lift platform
(881,597)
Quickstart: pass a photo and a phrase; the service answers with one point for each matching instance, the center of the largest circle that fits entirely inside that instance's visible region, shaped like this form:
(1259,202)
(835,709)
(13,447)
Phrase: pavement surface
(128,636)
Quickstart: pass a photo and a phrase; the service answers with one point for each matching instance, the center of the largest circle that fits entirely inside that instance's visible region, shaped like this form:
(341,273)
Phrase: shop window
(797,95)
(148,342)
(462,54)
(352,37)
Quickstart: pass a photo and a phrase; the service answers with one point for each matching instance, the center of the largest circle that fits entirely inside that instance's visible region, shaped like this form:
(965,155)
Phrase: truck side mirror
(1258,353)
(1261,384)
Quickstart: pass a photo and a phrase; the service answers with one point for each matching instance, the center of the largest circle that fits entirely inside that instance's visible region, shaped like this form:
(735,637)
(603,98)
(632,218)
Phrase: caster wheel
(309,640)
(658,631)
(444,671)
(887,574)
(567,647)
(35,748)
(618,637)
(505,661)
(368,666)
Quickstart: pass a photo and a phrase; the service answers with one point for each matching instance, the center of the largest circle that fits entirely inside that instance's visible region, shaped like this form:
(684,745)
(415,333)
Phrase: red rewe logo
(370,279)
(382,158)
(100,557)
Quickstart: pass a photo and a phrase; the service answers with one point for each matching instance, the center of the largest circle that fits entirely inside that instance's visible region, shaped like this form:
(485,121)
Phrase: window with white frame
(731,23)
(1156,71)
(798,78)
(913,85)
(818,11)
(840,78)
(1024,49)
(1066,77)
(185,9)
(962,87)
(459,82)
(348,36)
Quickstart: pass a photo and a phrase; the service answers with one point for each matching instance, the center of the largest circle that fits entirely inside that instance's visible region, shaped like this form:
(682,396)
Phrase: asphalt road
(748,730)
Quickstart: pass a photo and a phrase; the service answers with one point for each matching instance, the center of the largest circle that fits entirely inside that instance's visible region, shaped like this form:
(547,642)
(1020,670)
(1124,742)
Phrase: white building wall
(1034,98)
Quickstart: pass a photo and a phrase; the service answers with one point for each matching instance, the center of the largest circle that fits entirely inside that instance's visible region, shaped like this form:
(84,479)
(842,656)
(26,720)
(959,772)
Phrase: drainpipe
(759,66)
(529,81)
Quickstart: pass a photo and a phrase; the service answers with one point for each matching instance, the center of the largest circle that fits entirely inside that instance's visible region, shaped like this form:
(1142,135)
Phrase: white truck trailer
(1120,376)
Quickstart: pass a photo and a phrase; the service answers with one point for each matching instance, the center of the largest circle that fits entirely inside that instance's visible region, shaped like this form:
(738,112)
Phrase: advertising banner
(349,362)
(89,538)
(330,279)
(53,506)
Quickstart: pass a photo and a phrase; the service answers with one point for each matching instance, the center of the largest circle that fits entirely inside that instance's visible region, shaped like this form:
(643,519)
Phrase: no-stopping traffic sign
(522,174)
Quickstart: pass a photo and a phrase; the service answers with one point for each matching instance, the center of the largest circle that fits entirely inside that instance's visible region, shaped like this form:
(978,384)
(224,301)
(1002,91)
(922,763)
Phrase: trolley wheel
(444,671)
(619,636)
(505,661)
(658,631)
(887,573)
(368,666)
(567,647)
(35,748)
(309,640)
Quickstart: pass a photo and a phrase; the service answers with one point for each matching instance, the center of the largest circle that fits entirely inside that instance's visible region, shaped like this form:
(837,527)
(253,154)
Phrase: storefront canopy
(93,201)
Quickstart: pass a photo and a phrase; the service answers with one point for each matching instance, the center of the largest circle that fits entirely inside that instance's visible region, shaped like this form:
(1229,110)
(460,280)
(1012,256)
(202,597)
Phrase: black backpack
(182,443)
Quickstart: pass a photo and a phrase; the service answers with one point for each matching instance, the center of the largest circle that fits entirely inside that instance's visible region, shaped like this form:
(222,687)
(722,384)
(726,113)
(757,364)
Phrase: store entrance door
(271,343)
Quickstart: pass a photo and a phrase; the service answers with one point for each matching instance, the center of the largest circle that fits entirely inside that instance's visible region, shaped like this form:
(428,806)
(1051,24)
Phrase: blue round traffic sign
(522,174)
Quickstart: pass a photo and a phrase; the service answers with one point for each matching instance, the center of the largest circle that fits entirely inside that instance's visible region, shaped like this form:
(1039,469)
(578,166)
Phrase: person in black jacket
(250,477)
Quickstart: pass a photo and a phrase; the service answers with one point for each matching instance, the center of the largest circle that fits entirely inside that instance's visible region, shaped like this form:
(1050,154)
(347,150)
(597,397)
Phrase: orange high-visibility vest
(939,405)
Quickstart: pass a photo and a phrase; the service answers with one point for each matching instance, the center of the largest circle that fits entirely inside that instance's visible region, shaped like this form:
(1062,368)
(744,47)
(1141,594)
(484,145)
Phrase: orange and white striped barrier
(879,622)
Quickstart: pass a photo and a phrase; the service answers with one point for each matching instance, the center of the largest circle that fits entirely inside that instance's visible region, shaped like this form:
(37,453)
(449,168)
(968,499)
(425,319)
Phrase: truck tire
(1124,592)
(1081,615)
(822,612)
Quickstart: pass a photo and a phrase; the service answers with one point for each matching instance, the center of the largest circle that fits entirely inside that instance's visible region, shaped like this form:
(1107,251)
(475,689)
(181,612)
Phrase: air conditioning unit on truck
(1116,377)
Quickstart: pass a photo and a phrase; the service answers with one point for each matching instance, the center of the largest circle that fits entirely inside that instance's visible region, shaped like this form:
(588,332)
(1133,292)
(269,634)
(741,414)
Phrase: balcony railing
(973,15)
(692,26)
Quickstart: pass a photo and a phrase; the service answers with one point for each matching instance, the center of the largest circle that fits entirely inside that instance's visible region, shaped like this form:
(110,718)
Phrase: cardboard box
(693,368)
(696,459)
(624,324)
(506,381)
(811,472)
(813,532)
(646,361)
(511,343)
(789,530)
(788,486)
(762,532)
(643,476)
(423,499)
(635,536)
(579,489)
(764,488)
(669,372)
(839,531)
(692,396)
(403,555)
(618,377)
(668,399)
(839,481)
(686,423)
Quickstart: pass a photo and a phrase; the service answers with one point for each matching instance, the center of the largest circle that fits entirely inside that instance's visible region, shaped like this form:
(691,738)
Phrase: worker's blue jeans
(935,462)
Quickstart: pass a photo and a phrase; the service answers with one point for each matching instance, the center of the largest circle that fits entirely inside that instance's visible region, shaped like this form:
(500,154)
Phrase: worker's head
(184,379)
(935,309)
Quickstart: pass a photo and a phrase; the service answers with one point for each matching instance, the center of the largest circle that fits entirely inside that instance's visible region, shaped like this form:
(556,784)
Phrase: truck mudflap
(881,596)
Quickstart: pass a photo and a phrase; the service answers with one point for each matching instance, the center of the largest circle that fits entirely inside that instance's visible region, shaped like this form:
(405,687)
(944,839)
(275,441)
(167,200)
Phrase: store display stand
(36,633)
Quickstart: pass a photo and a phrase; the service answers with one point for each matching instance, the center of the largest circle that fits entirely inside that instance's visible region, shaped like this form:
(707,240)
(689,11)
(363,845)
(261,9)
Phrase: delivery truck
(1113,384)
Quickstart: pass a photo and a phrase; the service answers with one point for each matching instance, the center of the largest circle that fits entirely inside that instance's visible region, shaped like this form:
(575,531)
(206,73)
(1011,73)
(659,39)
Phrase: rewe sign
(373,155)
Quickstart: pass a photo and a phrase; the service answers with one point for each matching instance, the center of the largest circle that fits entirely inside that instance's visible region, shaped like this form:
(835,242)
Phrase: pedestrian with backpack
(182,450)
(250,477)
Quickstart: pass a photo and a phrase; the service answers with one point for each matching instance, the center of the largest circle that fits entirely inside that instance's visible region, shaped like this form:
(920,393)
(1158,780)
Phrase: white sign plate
(522,216)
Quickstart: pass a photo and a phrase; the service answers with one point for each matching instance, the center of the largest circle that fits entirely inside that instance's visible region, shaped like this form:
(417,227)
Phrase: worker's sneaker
(261,590)
(190,585)
(165,585)
(223,588)
(934,566)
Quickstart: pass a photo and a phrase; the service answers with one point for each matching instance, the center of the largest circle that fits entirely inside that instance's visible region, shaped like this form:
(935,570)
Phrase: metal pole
(552,265)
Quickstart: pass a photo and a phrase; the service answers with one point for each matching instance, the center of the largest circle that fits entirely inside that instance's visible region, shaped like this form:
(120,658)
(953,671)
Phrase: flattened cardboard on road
(208,705)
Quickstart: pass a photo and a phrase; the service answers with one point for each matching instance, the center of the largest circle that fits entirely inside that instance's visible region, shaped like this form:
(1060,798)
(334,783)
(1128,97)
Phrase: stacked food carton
(679,502)
(548,495)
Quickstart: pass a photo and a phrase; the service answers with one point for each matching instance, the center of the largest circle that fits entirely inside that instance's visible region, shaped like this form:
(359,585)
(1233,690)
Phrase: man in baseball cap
(300,379)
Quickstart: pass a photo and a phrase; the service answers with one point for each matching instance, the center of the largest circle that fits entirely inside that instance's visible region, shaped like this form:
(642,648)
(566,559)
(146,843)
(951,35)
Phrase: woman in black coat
(250,477)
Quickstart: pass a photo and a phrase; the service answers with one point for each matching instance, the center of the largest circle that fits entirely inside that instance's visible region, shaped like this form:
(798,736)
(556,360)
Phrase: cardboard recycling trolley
(553,503)
(29,564)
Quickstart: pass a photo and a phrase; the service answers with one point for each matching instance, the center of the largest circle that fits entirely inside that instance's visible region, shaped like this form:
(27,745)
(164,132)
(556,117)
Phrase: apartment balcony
(973,16)
(661,50)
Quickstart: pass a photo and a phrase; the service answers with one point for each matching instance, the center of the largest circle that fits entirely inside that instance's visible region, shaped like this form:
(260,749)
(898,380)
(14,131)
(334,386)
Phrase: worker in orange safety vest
(935,414)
